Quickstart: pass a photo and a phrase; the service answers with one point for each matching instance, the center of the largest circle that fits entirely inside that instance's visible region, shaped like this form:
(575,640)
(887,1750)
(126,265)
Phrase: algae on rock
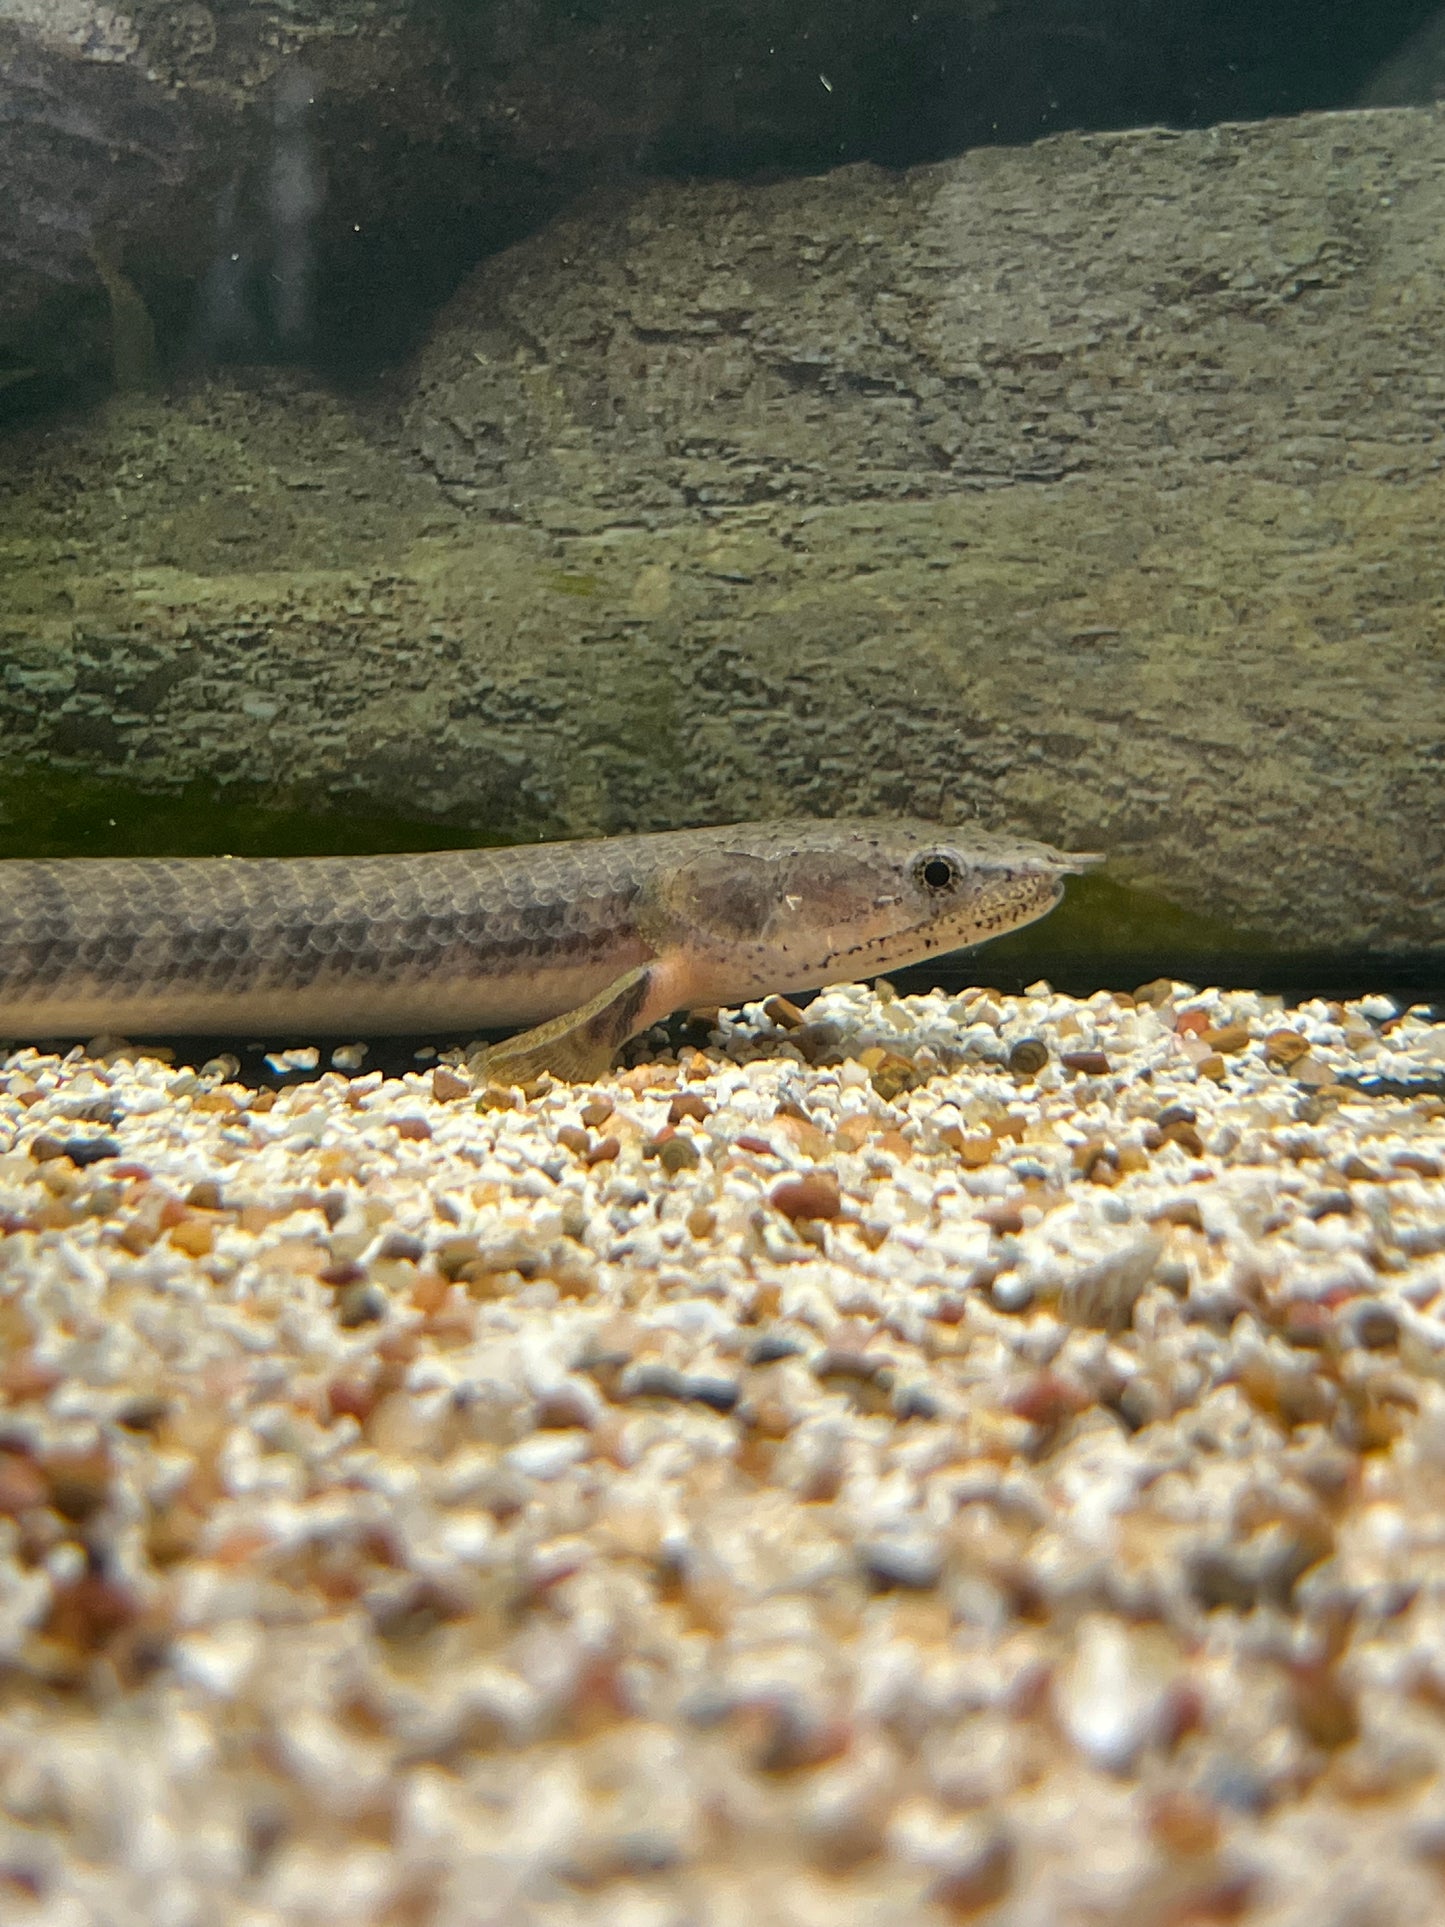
(1093,487)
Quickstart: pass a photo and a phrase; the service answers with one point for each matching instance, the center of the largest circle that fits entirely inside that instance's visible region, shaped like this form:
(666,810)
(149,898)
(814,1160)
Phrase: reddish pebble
(413,1127)
(1090,1063)
(1046,1398)
(22,1484)
(25,1377)
(759,1146)
(1182,1822)
(813,1195)
(447,1086)
(351,1398)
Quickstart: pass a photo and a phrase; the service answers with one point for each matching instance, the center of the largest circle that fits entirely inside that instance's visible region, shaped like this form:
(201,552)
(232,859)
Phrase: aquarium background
(445,423)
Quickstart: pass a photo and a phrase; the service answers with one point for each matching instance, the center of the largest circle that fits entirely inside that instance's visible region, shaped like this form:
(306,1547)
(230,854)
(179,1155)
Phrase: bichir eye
(936,871)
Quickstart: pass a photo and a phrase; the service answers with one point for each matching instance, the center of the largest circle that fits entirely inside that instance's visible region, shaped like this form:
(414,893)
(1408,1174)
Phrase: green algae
(53,813)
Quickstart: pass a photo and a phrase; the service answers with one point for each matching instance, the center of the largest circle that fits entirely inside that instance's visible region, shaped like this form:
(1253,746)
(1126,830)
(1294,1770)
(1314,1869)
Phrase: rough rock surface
(1093,487)
(189,151)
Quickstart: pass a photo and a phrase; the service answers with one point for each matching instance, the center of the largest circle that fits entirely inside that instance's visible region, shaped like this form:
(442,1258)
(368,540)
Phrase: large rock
(306,179)
(1093,487)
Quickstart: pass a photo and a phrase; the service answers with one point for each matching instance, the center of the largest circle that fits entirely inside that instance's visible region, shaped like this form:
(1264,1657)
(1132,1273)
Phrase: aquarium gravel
(914,1460)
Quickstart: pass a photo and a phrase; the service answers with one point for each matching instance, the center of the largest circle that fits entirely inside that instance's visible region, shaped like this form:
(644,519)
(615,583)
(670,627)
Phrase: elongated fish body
(495,938)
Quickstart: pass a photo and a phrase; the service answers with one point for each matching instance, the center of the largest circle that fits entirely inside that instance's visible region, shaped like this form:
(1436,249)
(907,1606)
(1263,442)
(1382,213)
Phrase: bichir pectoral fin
(580,1044)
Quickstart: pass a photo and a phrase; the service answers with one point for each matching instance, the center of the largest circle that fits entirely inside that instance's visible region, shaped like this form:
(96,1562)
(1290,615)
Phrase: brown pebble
(783,1012)
(1089,1063)
(1156,992)
(351,1398)
(195,1237)
(598,1108)
(1227,1038)
(1286,1047)
(142,1413)
(1212,1067)
(22,1483)
(401,1245)
(1325,1704)
(1307,1325)
(79,1482)
(973,1150)
(204,1195)
(564,1408)
(1028,1056)
(573,1138)
(25,1377)
(1180,1211)
(447,1086)
(1045,1398)
(1183,1822)
(221,1102)
(749,1141)
(814,1194)
(814,1041)
(411,1127)
(604,1151)
(1001,1217)
(46,1149)
(688,1104)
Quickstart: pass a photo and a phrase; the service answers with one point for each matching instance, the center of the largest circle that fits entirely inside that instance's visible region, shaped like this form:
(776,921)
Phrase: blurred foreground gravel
(913,1461)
